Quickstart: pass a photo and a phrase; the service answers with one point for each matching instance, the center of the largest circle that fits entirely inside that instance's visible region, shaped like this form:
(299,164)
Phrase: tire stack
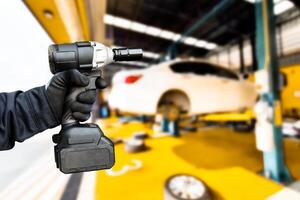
(136,143)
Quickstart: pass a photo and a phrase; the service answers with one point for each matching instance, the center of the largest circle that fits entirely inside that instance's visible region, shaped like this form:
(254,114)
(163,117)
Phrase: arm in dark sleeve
(23,114)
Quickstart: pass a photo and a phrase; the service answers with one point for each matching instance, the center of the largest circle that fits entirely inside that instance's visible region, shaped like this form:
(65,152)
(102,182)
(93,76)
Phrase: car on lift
(193,87)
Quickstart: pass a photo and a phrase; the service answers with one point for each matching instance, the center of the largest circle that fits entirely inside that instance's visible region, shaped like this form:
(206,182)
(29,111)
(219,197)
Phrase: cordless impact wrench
(84,147)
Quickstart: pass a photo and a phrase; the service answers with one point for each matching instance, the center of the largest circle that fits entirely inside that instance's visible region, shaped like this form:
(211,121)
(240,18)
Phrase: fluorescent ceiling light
(190,40)
(109,19)
(150,30)
(122,23)
(201,43)
(176,37)
(167,35)
(211,46)
(138,27)
(155,32)
(283,6)
(148,54)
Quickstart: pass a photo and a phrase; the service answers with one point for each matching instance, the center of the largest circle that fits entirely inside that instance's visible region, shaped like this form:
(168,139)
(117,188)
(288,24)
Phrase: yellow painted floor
(226,161)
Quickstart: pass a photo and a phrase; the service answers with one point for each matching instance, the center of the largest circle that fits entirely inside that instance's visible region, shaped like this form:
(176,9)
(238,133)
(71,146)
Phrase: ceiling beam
(59,18)
(70,20)
(96,11)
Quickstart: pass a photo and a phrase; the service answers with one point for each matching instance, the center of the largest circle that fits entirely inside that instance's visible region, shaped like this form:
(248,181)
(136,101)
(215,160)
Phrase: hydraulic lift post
(274,164)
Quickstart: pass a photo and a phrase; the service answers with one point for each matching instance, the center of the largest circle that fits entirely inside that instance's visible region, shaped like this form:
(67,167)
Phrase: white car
(196,87)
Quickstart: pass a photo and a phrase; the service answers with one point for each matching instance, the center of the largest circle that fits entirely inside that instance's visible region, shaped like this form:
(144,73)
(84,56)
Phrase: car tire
(134,145)
(185,187)
(118,113)
(170,112)
(244,126)
(140,135)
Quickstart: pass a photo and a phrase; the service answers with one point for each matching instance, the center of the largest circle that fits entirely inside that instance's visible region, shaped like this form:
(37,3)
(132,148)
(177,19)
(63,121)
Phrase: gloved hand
(59,87)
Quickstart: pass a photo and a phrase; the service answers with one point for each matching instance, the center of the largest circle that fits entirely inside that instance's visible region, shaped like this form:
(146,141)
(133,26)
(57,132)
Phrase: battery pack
(83,147)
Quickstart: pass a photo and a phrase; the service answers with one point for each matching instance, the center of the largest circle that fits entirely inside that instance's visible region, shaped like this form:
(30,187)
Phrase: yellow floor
(225,160)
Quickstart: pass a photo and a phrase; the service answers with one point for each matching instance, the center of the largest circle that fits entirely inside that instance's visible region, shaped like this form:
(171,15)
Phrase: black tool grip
(67,117)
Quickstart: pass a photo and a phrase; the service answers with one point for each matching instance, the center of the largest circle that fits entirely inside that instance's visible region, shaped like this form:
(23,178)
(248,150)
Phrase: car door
(199,82)
(219,93)
(229,88)
(209,88)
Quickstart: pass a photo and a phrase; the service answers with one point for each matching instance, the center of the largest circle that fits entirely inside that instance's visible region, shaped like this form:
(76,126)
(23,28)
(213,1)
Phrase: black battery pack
(83,147)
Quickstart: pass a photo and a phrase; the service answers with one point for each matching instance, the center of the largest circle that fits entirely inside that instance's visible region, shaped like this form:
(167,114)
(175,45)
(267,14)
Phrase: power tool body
(84,147)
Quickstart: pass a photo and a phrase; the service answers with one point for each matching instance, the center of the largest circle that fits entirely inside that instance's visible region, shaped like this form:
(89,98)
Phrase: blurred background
(211,111)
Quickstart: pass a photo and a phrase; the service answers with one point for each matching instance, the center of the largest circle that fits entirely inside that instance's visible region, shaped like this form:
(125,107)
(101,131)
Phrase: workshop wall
(288,43)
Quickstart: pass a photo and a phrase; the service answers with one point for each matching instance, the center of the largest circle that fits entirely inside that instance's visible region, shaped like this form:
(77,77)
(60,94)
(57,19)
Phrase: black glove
(59,87)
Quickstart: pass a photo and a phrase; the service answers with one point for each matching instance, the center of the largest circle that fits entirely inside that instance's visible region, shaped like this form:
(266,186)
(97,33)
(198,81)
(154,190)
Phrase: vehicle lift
(266,54)
(273,160)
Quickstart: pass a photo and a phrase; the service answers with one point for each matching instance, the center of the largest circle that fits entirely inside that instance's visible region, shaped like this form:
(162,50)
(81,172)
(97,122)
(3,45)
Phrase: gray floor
(18,160)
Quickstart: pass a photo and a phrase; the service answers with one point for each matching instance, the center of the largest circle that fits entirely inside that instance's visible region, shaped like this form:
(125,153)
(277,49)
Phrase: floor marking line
(29,177)
(27,185)
(55,188)
(38,186)
(87,187)
(126,168)
(24,176)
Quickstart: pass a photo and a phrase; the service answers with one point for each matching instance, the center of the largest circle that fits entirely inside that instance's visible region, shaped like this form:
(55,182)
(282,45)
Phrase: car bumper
(126,99)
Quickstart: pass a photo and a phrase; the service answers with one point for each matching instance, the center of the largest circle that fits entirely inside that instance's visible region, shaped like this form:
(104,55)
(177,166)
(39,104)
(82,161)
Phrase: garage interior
(211,111)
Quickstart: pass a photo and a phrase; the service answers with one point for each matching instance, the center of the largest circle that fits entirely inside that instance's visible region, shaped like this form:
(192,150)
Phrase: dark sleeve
(23,114)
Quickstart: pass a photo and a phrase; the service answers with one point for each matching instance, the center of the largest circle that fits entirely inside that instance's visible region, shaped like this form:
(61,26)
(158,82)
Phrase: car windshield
(202,68)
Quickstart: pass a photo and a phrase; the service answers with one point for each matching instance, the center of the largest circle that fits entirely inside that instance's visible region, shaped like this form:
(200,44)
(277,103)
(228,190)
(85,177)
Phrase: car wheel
(134,145)
(244,126)
(170,112)
(118,113)
(173,103)
(185,187)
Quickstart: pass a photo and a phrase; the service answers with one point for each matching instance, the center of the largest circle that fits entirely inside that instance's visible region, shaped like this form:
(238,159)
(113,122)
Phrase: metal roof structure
(176,16)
